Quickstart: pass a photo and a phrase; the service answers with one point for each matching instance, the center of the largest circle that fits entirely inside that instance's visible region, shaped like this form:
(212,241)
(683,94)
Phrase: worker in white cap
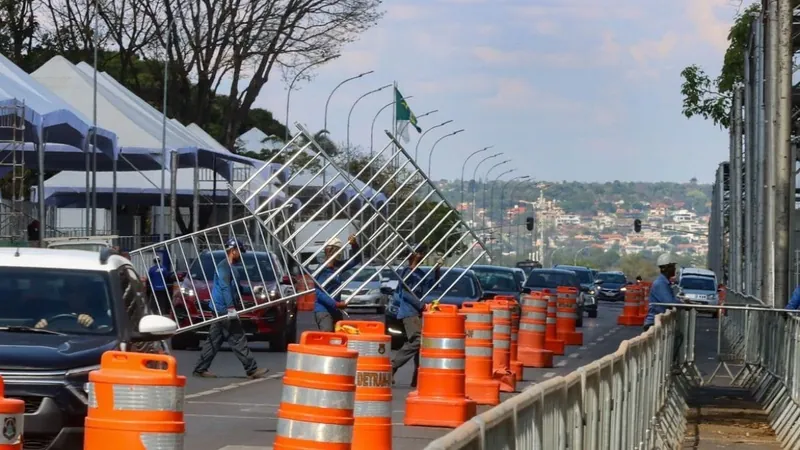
(327,310)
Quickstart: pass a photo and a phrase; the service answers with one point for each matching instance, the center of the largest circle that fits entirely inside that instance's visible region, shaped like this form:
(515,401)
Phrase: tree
(711,98)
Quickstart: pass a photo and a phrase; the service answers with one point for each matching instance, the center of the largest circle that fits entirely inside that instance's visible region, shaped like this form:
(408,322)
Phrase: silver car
(358,295)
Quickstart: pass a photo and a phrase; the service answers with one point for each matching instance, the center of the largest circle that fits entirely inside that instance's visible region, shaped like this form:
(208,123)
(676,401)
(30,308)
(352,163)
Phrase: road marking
(592,344)
(232,386)
(600,339)
(549,375)
(574,355)
(562,363)
(582,348)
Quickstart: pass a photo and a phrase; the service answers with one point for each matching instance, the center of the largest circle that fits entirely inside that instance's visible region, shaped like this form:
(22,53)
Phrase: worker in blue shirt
(794,302)
(408,307)
(661,292)
(222,301)
(327,310)
(161,277)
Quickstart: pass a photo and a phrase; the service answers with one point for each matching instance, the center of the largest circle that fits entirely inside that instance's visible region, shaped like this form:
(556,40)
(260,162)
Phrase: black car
(587,287)
(613,286)
(498,280)
(553,278)
(47,350)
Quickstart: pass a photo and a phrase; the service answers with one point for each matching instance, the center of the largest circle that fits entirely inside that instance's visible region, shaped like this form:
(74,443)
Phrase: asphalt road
(234,413)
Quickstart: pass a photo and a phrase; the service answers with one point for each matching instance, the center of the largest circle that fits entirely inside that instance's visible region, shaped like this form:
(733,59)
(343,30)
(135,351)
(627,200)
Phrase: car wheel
(593,314)
(281,343)
(185,341)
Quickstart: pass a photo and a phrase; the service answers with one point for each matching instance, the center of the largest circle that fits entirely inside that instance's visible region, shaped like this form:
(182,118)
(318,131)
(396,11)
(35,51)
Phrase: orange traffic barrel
(478,325)
(135,404)
(440,400)
(12,413)
(516,365)
(532,351)
(501,343)
(316,410)
(552,342)
(567,316)
(644,291)
(373,408)
(630,309)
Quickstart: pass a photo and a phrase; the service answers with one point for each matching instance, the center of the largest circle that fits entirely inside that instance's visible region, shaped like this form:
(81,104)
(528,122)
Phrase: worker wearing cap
(660,293)
(327,310)
(408,308)
(224,285)
(161,278)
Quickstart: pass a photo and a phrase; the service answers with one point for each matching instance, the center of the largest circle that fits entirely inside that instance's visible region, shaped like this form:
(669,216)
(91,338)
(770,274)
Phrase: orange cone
(501,343)
(567,316)
(316,410)
(479,385)
(532,352)
(135,406)
(552,342)
(516,365)
(12,412)
(373,407)
(440,400)
(630,310)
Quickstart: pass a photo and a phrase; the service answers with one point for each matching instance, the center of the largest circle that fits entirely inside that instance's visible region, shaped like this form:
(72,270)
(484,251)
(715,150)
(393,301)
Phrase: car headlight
(188,292)
(623,290)
(591,292)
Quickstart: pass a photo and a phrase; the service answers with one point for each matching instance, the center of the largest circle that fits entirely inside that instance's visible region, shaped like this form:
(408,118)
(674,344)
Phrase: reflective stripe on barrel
(322,365)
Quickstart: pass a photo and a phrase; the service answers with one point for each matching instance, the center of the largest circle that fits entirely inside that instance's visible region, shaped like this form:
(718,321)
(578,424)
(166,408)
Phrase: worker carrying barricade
(441,399)
(316,410)
(12,412)
(135,405)
(479,385)
(372,428)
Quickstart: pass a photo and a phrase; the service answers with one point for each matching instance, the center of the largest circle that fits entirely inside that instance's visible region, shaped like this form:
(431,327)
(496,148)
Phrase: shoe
(258,373)
(205,374)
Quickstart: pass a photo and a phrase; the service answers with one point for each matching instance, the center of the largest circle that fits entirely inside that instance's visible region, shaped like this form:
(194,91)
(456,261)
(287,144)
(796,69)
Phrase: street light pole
(474,177)
(519,234)
(486,183)
(430,154)
(375,119)
(328,101)
(464,167)
(291,87)
(502,208)
(491,195)
(350,114)
(416,148)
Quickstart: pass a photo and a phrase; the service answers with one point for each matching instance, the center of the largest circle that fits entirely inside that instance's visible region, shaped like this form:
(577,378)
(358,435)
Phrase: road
(234,413)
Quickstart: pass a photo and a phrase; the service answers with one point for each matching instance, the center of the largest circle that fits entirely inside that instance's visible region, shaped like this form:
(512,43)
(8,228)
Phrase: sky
(580,90)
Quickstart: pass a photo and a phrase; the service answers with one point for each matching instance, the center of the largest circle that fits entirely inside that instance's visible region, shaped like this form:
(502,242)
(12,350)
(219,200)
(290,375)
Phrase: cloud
(648,50)
(546,27)
(405,11)
(588,10)
(709,28)
(517,93)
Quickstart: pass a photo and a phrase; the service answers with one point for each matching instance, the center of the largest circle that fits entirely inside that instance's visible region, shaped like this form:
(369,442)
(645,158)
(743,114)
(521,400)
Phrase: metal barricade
(388,205)
(612,403)
(181,272)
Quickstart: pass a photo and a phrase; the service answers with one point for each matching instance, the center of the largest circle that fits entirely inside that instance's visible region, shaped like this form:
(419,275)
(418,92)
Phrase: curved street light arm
(416,148)
(327,102)
(350,113)
(430,154)
(374,119)
(291,87)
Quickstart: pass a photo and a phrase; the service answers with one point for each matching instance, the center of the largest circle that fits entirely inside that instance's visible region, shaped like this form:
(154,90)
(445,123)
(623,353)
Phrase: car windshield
(496,280)
(464,288)
(389,274)
(54,300)
(545,279)
(254,266)
(584,275)
(364,274)
(698,284)
(616,278)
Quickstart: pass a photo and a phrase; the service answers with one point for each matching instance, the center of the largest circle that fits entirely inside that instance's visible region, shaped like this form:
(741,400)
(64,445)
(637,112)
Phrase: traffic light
(529,223)
(637,225)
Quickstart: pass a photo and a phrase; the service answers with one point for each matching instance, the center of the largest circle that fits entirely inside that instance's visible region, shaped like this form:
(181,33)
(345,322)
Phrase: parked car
(587,289)
(553,278)
(276,324)
(613,286)
(467,288)
(47,364)
(699,290)
(696,272)
(520,275)
(497,280)
(360,294)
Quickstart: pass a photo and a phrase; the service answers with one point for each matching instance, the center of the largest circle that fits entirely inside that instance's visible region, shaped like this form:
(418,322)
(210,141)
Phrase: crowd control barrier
(606,405)
(12,412)
(133,405)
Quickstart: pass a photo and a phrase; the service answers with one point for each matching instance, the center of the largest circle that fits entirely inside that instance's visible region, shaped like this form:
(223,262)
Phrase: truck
(316,234)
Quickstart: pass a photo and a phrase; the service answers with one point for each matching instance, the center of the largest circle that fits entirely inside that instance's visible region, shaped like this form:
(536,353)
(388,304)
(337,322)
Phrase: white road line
(582,348)
(574,355)
(562,363)
(232,386)
(549,375)
(600,339)
(592,344)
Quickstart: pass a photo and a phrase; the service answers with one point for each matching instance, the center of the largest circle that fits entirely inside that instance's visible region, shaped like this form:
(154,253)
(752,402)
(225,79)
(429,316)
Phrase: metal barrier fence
(613,403)
(388,206)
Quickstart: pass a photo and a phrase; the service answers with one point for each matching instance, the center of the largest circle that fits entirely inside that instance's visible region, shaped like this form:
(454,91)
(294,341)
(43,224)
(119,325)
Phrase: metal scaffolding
(12,167)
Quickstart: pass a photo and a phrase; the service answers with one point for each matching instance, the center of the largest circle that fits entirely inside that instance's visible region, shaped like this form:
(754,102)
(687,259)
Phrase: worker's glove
(41,324)
(440,262)
(85,320)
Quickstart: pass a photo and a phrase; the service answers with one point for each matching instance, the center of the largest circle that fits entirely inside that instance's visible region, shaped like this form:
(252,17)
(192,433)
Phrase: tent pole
(42,212)
(196,196)
(87,192)
(95,43)
(163,225)
(114,225)
(173,193)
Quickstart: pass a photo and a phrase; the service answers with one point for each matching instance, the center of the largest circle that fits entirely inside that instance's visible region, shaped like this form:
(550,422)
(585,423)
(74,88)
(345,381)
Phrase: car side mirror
(598,282)
(286,281)
(155,328)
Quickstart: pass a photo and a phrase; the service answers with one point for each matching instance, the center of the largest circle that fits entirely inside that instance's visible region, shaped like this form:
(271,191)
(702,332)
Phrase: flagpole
(395,162)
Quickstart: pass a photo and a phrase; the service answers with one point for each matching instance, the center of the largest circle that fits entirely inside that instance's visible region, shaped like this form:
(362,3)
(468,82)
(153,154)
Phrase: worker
(224,285)
(161,278)
(661,292)
(327,310)
(407,307)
